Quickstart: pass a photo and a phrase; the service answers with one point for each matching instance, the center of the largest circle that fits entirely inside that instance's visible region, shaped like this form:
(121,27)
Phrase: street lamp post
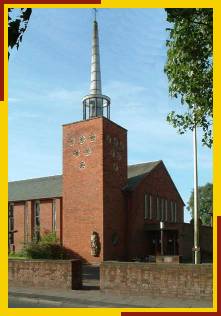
(211,218)
(161,238)
(196,247)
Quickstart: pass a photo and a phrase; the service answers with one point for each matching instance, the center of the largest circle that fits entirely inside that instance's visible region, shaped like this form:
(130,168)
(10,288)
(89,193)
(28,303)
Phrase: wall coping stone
(189,265)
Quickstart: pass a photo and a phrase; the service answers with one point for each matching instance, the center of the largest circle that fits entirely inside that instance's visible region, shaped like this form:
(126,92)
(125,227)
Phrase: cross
(95,14)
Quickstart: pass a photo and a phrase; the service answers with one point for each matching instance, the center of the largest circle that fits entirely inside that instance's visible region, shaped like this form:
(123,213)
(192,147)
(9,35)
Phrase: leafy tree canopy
(189,69)
(205,203)
(17,24)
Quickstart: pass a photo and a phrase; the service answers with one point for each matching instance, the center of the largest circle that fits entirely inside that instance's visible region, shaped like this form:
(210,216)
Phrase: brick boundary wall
(61,274)
(171,280)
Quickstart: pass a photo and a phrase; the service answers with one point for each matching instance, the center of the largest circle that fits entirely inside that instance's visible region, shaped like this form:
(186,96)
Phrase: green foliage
(189,69)
(205,203)
(48,238)
(18,255)
(48,247)
(17,25)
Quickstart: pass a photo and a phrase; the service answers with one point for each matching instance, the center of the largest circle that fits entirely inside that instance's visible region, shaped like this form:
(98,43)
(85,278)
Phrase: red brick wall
(19,225)
(172,280)
(158,183)
(92,198)
(186,242)
(115,178)
(60,274)
(45,216)
(206,241)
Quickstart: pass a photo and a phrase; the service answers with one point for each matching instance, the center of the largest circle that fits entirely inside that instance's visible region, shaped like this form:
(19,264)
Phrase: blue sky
(50,73)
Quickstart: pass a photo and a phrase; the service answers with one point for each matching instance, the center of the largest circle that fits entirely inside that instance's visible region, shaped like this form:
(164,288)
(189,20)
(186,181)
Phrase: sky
(50,74)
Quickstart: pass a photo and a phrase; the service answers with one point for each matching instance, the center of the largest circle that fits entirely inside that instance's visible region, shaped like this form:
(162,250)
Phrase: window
(145,207)
(37,220)
(54,215)
(158,208)
(171,211)
(166,210)
(175,212)
(10,224)
(162,210)
(148,206)
(151,206)
(26,222)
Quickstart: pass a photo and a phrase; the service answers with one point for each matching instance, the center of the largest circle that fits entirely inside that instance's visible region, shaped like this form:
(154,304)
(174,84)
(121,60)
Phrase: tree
(189,69)
(205,203)
(17,25)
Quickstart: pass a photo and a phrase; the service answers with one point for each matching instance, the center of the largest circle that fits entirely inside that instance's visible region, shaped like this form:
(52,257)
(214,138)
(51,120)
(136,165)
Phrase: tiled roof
(37,188)
(137,172)
(49,187)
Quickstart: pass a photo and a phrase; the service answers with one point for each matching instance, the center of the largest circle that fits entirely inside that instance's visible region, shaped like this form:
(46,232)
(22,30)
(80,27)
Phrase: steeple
(95,104)
(95,87)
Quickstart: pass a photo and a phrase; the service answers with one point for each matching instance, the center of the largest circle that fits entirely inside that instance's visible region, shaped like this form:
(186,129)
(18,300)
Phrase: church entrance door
(170,244)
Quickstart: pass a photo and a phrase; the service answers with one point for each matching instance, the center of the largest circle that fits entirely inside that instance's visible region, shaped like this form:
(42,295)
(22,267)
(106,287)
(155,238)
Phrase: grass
(17,255)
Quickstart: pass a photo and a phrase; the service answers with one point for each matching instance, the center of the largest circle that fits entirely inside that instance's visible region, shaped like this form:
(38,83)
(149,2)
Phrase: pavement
(91,296)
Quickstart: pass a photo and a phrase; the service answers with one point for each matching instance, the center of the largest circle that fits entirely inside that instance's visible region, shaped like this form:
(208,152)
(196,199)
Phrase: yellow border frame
(3,166)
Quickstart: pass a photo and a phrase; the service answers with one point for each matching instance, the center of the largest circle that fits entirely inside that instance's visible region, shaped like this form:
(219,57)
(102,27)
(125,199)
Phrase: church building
(100,208)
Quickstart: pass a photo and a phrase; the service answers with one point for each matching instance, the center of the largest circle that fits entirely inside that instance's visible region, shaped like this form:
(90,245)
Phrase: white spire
(95,104)
(95,87)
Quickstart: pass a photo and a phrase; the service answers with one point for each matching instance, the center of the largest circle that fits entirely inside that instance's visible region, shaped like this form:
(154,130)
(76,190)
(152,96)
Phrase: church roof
(51,187)
(37,188)
(137,172)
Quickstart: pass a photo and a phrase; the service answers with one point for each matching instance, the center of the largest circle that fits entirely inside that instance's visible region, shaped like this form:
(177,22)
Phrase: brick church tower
(94,173)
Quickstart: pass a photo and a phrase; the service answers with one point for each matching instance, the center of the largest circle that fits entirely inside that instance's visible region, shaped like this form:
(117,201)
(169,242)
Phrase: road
(24,302)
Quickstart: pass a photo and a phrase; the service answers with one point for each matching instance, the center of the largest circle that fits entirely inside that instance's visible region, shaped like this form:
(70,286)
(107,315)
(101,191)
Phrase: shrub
(48,238)
(48,247)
